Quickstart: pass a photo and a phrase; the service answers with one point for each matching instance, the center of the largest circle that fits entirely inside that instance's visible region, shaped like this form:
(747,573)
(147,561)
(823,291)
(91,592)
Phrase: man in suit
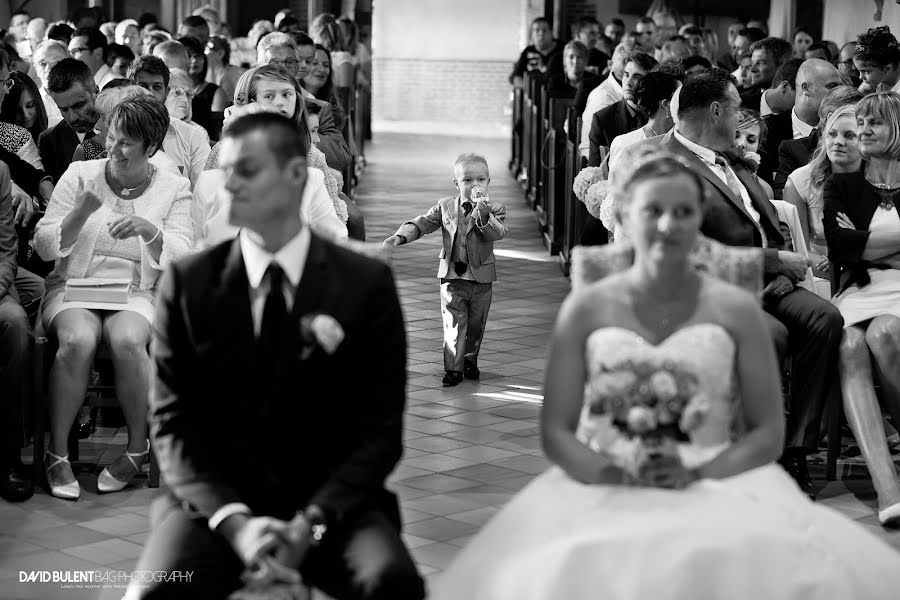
(738,213)
(275,458)
(15,483)
(72,87)
(793,154)
(766,55)
(815,78)
(623,116)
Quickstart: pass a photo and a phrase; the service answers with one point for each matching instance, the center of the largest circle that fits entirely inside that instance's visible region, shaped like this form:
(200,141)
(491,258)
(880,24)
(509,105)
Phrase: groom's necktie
(274,320)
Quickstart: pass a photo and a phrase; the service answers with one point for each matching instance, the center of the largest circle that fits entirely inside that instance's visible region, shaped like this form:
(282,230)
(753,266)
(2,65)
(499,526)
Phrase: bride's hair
(652,163)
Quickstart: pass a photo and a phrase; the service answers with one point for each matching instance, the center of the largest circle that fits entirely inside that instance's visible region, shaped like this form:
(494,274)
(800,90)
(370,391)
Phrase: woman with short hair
(113,219)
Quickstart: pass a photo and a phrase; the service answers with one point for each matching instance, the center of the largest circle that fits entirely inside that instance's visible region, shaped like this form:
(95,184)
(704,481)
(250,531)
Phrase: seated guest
(697,41)
(209,100)
(60,32)
(564,84)
(327,33)
(818,50)
(782,92)
(674,50)
(47,54)
(173,54)
(815,78)
(593,95)
(587,31)
(220,71)
(622,116)
(802,39)
(693,65)
(15,484)
(179,97)
(339,527)
(743,40)
(73,89)
(187,145)
(128,34)
(151,39)
(119,218)
(119,58)
(742,73)
(877,59)
(536,57)
(766,55)
(319,82)
(95,147)
(793,154)
(22,106)
(739,214)
(15,138)
(653,97)
(196,27)
(89,46)
(862,226)
(297,54)
(837,152)
(846,66)
(270,88)
(750,135)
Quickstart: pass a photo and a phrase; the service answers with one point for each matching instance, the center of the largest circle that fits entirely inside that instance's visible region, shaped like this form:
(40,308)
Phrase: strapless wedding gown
(749,537)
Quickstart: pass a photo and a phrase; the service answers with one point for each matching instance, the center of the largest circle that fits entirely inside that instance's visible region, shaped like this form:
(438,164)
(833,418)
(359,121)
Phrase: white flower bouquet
(587,177)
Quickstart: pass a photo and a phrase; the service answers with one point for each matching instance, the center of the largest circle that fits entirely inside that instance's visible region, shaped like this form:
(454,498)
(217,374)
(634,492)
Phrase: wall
(845,19)
(444,65)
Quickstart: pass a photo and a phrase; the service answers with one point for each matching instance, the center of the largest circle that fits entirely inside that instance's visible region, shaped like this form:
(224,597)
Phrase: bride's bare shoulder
(598,301)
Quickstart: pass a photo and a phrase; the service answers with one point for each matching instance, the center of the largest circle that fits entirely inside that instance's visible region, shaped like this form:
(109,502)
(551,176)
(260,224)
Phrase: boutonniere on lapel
(318,330)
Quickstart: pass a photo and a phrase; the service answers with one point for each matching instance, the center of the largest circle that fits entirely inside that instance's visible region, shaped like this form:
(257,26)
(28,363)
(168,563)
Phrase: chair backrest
(742,267)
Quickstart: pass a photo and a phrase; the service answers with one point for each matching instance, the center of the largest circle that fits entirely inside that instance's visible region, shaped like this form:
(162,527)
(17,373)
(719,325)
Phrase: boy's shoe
(471,371)
(452,378)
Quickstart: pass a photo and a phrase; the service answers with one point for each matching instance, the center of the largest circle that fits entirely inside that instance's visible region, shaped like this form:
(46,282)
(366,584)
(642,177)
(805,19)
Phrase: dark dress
(202,112)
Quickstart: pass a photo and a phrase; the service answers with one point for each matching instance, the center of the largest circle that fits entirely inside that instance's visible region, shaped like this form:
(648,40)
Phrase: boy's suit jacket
(479,240)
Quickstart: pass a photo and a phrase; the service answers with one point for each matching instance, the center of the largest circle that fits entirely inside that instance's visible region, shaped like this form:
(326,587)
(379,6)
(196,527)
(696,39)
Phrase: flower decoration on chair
(319,331)
(652,408)
(586,177)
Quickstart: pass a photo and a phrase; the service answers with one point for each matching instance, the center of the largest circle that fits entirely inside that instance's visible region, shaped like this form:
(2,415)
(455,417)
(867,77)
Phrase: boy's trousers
(464,308)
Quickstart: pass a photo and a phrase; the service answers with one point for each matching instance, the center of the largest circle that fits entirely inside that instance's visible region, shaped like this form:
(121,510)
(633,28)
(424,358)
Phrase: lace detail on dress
(738,266)
(615,356)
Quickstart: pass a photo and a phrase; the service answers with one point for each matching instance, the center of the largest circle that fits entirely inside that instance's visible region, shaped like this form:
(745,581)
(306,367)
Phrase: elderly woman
(862,227)
(118,219)
(95,147)
(270,87)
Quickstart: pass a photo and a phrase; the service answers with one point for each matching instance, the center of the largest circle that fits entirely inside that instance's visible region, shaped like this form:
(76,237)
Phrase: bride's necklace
(665,313)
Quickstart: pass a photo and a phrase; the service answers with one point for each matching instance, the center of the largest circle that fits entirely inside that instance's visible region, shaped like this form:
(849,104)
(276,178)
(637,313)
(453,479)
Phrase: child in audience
(467,261)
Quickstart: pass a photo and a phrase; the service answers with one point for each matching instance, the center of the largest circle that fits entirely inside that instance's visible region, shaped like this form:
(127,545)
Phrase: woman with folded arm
(113,219)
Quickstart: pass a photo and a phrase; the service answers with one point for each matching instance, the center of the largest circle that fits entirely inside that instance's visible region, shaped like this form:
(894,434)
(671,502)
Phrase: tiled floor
(468,448)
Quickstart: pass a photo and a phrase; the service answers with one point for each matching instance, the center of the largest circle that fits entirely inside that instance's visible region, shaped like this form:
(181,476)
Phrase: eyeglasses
(79,50)
(179,92)
(289,63)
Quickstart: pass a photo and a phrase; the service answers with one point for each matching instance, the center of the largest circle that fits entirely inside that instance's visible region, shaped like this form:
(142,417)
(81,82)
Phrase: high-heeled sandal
(890,515)
(107,483)
(66,491)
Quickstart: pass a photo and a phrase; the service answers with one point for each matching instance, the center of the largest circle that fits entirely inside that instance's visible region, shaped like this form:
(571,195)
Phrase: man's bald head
(815,78)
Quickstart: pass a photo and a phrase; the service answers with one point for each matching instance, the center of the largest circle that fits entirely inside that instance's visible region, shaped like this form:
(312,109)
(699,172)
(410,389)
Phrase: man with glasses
(295,52)
(89,46)
(846,66)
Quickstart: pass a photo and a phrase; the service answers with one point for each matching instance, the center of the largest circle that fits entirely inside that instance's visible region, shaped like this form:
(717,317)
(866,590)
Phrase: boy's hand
(484,209)
(394,240)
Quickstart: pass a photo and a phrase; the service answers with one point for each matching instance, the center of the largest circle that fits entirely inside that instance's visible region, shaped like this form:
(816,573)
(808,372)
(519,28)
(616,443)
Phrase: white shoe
(107,483)
(66,491)
(890,515)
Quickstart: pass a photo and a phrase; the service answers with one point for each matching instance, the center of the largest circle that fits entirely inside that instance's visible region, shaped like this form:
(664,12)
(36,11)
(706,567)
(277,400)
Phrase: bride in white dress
(723,521)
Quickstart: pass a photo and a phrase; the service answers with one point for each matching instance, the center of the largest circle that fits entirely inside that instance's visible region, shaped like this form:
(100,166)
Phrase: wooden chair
(100,394)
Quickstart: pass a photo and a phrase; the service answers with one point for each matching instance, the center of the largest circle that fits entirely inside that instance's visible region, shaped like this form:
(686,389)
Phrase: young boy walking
(471,223)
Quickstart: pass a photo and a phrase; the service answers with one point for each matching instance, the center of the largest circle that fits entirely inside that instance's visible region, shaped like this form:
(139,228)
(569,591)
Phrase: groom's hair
(282,135)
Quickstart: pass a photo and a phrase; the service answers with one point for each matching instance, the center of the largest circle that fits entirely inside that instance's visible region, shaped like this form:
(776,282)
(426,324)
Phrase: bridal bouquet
(651,408)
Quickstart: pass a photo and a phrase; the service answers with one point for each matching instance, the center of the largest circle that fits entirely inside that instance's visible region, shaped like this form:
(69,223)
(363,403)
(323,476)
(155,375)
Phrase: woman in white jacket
(114,219)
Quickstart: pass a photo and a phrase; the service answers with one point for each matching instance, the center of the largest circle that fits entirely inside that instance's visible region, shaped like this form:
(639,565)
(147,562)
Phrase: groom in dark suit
(738,213)
(278,402)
